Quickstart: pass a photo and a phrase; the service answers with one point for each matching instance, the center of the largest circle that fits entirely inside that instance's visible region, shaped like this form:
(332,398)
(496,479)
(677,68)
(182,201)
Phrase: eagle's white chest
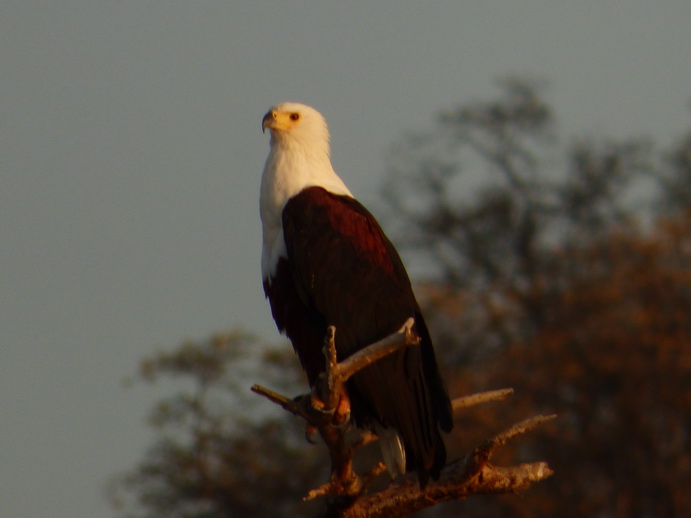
(287,172)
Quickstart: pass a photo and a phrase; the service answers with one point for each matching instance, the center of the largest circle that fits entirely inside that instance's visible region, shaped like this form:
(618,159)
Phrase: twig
(481,397)
(286,403)
(370,354)
(482,454)
(329,384)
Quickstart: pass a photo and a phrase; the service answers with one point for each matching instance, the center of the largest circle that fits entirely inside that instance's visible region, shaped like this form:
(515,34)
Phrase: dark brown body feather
(342,270)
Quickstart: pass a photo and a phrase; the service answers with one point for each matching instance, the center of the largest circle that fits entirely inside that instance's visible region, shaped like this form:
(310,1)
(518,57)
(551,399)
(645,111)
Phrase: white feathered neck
(299,158)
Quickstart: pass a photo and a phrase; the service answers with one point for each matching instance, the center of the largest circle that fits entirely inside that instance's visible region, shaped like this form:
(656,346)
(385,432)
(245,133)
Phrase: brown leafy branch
(347,491)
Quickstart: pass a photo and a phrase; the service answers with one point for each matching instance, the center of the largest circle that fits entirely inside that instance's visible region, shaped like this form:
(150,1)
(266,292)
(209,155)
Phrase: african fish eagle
(326,261)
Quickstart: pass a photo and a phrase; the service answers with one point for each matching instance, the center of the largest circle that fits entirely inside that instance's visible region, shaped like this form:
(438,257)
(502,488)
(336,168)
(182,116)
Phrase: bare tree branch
(357,361)
(345,492)
(481,397)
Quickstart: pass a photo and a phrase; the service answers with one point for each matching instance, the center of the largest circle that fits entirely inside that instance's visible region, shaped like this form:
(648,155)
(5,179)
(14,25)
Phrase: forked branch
(346,491)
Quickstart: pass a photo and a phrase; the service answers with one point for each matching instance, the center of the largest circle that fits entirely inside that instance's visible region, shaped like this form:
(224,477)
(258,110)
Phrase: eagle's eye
(294,116)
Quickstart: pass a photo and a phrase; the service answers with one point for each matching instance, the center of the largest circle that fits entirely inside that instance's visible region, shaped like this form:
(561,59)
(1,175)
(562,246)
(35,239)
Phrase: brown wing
(346,273)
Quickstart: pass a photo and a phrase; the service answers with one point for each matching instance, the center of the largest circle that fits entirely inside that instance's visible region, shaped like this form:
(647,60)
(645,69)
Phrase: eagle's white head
(299,158)
(298,127)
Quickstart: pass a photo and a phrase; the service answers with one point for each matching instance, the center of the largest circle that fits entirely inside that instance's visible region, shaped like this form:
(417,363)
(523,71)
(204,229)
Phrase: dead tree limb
(320,409)
(345,492)
(481,397)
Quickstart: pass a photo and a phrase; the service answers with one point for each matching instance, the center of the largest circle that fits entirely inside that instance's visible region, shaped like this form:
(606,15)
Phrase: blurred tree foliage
(220,451)
(563,271)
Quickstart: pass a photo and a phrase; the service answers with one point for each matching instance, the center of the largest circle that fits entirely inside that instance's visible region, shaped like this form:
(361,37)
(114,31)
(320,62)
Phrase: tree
(562,271)
(556,286)
(526,198)
(218,453)
(612,359)
(677,182)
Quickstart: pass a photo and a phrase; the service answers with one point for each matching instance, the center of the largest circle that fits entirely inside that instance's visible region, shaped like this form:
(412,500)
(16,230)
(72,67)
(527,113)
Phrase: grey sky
(130,159)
